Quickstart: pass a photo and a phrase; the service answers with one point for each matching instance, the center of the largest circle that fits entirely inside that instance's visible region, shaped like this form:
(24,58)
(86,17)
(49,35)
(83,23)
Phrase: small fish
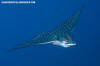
(60,35)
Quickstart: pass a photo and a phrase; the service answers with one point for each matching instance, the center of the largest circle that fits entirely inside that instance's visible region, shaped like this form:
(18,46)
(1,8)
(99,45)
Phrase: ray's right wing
(70,23)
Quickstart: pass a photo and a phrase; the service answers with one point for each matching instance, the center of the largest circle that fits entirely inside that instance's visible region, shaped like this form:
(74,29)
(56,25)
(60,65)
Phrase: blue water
(19,24)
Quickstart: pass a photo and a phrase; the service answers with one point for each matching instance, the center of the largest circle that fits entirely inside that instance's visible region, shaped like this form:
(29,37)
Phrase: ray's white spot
(64,44)
(67,45)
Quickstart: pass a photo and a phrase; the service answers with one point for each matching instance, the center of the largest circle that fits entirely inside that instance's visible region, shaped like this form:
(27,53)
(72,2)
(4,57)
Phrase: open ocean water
(20,23)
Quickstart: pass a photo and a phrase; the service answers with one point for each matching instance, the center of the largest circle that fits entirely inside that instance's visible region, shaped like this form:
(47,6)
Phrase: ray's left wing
(43,38)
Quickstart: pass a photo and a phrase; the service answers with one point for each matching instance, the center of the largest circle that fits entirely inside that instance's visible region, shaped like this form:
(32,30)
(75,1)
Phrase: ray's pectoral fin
(37,41)
(23,45)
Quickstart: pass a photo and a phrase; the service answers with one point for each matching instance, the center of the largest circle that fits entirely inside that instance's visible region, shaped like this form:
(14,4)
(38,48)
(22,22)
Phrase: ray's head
(65,43)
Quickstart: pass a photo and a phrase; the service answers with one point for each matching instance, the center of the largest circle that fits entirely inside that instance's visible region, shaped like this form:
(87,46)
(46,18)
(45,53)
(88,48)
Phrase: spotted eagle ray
(60,35)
